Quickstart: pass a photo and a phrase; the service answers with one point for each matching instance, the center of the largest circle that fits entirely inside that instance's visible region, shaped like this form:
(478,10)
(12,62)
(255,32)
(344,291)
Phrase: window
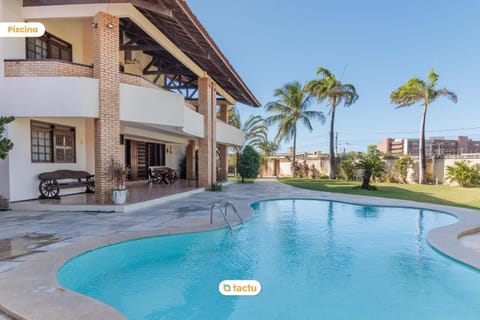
(48,46)
(52,143)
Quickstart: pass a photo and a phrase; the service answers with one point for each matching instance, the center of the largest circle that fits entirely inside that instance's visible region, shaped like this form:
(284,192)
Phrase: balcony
(159,109)
(63,89)
(228,134)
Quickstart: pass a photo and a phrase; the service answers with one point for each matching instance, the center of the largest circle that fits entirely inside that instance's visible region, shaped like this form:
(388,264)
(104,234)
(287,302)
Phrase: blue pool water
(314,259)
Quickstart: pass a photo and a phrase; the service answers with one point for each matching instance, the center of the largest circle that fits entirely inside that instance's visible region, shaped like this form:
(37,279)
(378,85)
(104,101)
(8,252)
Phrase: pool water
(314,259)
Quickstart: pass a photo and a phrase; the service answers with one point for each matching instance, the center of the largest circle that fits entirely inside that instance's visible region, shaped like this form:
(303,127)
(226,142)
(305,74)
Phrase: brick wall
(136,81)
(46,68)
(107,126)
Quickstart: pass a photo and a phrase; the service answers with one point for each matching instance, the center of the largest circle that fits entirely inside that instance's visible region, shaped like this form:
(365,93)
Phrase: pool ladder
(224,212)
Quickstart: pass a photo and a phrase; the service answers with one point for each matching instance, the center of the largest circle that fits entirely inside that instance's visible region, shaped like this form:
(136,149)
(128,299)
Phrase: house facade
(137,81)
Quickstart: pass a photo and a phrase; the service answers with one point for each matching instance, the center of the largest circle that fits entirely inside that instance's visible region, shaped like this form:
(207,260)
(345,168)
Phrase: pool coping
(26,296)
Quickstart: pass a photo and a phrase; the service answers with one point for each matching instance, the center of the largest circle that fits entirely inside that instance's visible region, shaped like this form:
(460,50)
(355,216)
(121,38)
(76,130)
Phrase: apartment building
(438,146)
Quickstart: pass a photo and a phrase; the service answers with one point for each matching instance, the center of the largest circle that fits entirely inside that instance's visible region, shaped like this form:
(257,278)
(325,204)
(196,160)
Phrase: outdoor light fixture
(110,25)
(94,25)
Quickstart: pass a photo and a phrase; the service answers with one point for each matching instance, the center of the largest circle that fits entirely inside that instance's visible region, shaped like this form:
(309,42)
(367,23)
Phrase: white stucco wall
(24,173)
(11,48)
(49,96)
(228,134)
(152,106)
(193,122)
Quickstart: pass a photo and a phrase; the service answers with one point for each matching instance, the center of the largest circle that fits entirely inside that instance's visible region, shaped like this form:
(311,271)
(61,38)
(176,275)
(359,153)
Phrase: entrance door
(139,155)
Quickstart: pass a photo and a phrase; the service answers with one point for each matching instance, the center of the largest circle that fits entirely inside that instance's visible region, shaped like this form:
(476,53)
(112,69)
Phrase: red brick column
(223,162)
(207,144)
(224,113)
(213,134)
(107,126)
(190,157)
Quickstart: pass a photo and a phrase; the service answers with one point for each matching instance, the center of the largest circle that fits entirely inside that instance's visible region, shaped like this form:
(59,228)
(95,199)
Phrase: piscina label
(239,287)
(21,29)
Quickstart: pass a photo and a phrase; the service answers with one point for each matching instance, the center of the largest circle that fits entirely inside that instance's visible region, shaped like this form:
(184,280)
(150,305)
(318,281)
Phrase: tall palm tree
(417,90)
(290,108)
(335,93)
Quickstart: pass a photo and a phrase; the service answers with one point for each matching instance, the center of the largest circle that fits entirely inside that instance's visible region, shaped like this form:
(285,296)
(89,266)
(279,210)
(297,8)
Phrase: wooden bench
(50,185)
(160,174)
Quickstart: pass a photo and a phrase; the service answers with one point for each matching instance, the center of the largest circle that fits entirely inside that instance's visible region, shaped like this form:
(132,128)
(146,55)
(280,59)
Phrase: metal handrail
(227,204)
(216,205)
(224,212)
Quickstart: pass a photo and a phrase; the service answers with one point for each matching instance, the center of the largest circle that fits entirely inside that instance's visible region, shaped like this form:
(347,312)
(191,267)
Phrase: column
(107,126)
(224,113)
(213,134)
(223,161)
(205,146)
(190,159)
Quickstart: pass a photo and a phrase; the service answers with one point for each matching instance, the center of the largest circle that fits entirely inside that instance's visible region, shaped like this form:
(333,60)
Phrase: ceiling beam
(142,47)
(155,7)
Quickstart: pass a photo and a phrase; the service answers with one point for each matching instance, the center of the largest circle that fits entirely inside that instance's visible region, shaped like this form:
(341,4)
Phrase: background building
(438,146)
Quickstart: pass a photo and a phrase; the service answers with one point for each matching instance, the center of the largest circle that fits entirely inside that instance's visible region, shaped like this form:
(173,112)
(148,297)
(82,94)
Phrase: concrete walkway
(28,285)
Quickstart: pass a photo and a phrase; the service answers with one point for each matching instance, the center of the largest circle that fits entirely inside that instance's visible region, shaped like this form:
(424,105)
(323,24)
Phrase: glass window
(48,46)
(52,143)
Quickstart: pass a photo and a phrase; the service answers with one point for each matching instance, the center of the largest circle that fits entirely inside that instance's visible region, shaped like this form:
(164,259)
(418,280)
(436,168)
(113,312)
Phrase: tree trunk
(294,167)
(366,179)
(422,164)
(332,149)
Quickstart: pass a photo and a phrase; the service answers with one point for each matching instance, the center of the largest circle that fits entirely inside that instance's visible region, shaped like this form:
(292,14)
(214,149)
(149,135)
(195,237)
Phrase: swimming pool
(314,259)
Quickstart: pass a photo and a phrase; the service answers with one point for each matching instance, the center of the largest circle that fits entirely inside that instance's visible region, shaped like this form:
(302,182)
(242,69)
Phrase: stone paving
(22,276)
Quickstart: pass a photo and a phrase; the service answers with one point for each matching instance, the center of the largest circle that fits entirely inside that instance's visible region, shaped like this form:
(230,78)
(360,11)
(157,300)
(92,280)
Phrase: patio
(141,194)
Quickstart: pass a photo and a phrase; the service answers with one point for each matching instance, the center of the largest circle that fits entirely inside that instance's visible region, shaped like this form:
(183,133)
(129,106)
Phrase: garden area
(446,195)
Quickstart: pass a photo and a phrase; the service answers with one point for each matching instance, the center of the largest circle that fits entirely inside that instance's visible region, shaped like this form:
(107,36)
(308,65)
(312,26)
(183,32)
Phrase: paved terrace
(34,245)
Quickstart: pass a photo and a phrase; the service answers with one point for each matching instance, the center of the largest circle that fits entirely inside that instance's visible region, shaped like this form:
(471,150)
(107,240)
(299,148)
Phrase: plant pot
(119,196)
(4,203)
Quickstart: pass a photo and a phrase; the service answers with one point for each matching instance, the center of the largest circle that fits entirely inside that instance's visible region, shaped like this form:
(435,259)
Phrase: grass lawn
(447,195)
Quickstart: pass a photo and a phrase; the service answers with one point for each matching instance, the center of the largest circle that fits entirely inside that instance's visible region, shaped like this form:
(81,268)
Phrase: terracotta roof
(184,29)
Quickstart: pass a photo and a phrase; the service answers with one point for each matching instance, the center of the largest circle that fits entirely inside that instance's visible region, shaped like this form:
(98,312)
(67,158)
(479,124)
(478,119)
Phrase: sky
(377,45)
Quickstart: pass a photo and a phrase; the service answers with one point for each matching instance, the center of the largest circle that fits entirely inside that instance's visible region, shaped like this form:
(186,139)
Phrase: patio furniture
(50,185)
(161,174)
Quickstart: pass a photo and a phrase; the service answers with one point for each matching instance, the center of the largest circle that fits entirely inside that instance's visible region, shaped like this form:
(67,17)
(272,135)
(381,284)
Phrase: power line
(407,132)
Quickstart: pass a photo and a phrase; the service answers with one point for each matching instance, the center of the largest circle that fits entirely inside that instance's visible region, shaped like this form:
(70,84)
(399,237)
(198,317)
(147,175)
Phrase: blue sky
(380,43)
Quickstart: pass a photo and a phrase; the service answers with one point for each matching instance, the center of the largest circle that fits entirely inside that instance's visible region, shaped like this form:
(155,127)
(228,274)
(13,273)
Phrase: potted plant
(118,173)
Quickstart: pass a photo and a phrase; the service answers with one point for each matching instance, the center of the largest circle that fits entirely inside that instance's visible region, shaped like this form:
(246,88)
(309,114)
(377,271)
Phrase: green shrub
(217,186)
(5,144)
(401,167)
(248,163)
(464,174)
(348,169)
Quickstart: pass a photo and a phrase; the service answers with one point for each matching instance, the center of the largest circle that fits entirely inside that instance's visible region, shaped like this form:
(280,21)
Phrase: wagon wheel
(49,188)
(91,185)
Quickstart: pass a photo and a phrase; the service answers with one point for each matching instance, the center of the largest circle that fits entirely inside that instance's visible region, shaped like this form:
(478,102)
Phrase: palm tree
(290,108)
(370,165)
(335,93)
(255,131)
(417,90)
(234,118)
